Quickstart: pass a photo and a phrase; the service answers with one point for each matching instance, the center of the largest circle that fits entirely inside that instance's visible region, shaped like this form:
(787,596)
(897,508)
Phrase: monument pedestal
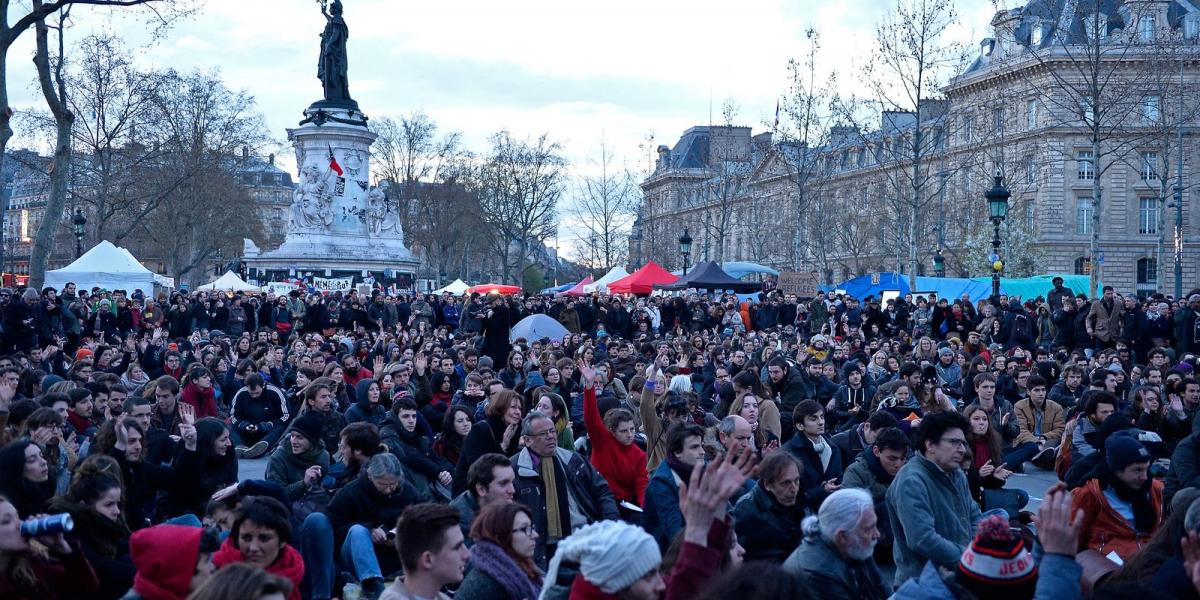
(338,224)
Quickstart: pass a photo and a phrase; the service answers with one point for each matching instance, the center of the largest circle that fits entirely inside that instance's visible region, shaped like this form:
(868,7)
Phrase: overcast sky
(618,69)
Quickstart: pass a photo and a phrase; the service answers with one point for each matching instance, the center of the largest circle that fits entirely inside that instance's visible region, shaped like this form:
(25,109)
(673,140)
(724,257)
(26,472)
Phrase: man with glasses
(559,486)
(929,502)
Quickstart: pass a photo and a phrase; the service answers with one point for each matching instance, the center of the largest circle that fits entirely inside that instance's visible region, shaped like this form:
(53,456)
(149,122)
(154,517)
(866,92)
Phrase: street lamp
(939,264)
(685,248)
(997,199)
(80,223)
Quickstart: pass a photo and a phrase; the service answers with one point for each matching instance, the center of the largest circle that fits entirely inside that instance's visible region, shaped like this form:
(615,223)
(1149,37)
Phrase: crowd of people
(688,446)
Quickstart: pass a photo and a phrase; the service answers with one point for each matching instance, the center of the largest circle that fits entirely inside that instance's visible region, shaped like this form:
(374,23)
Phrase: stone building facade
(837,207)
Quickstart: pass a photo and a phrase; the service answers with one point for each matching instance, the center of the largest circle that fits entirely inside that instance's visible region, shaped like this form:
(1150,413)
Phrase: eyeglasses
(528,530)
(549,433)
(958,442)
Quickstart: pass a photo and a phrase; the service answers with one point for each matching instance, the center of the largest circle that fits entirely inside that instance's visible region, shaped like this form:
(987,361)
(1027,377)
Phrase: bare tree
(520,183)
(409,151)
(605,206)
(913,58)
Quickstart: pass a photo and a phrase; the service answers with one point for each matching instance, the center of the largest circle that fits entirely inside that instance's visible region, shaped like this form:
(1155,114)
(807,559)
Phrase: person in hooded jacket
(299,463)
(403,438)
(367,406)
(171,561)
(261,537)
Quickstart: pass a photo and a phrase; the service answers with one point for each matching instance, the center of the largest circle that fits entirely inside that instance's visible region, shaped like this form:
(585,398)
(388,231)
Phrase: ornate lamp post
(80,222)
(685,248)
(997,199)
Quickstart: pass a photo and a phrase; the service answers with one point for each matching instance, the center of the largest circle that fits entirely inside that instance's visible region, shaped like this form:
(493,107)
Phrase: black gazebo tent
(709,276)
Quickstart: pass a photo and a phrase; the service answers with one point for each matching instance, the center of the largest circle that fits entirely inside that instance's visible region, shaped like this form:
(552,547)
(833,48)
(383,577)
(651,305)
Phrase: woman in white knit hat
(619,560)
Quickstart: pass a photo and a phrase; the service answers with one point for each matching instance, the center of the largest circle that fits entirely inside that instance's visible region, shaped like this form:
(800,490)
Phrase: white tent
(601,285)
(457,288)
(105,266)
(229,282)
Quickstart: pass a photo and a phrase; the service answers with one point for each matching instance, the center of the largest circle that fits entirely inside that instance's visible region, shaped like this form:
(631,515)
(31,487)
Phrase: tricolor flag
(776,114)
(336,168)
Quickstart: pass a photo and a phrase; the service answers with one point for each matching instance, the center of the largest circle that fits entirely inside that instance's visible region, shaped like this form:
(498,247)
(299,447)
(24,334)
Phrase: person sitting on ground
(874,471)
(821,463)
(502,566)
(836,555)
(499,432)
(299,464)
(53,569)
(259,412)
(1097,408)
(367,405)
(361,514)
(1041,428)
(767,520)
(852,442)
(997,565)
(615,456)
(171,561)
(428,472)
(1122,505)
(621,561)
(929,503)
(244,581)
(489,480)
(662,517)
(261,537)
(94,503)
(432,551)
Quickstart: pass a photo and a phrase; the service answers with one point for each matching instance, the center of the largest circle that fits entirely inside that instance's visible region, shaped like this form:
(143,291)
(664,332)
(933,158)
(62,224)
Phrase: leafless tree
(520,183)
(604,209)
(913,58)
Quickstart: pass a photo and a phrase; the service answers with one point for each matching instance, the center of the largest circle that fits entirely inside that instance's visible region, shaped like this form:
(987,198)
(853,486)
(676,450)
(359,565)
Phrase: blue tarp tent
(977,288)
(738,270)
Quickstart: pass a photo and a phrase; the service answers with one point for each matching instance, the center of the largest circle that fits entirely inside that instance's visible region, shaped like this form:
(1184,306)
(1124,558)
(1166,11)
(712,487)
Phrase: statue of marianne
(332,66)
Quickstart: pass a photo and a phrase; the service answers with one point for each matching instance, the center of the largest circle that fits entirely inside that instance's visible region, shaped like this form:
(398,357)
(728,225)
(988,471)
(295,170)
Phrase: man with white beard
(836,556)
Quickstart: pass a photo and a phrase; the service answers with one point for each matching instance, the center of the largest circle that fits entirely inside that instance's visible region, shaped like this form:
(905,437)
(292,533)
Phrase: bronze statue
(333,64)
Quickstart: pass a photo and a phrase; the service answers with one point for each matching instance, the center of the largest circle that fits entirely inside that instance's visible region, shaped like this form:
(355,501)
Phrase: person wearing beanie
(997,565)
(300,460)
(171,561)
(1122,505)
(619,560)
(83,353)
(837,555)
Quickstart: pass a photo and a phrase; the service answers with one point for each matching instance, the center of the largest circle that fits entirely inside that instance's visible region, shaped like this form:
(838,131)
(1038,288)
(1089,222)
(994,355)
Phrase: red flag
(333,163)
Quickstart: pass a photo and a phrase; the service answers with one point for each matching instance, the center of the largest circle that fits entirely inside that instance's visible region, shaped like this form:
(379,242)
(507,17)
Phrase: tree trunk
(55,94)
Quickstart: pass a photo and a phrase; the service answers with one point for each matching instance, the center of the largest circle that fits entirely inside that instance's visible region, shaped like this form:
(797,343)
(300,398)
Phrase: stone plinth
(337,221)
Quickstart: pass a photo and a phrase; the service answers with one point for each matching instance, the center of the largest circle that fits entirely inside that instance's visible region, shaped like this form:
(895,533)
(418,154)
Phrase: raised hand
(187,413)
(1058,529)
(587,373)
(377,365)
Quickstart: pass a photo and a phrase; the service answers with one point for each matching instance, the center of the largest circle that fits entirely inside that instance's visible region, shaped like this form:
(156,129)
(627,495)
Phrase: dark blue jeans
(1018,455)
(316,548)
(250,438)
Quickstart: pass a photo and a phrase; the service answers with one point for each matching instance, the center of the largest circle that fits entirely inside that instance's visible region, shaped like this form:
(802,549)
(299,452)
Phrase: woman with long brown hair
(502,564)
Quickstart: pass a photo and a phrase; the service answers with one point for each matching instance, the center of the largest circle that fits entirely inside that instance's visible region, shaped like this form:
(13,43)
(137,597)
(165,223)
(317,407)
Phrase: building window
(1151,109)
(1031,113)
(968,126)
(1087,167)
(1030,213)
(1191,26)
(1149,166)
(998,121)
(1084,208)
(1083,266)
(1147,271)
(1146,28)
(1035,35)
(1028,167)
(1148,216)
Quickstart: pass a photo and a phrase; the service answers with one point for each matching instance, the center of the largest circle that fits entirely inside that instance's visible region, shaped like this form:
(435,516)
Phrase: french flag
(333,163)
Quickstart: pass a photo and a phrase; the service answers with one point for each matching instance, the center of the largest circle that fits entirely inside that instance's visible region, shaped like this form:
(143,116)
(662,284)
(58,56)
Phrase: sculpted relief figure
(312,201)
(383,218)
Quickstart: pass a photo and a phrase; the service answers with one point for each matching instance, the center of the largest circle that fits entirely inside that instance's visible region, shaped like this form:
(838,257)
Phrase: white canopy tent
(107,267)
(601,285)
(457,288)
(229,282)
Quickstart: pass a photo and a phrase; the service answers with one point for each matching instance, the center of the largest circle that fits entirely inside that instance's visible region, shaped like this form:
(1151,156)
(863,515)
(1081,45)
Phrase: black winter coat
(583,482)
(359,503)
(767,529)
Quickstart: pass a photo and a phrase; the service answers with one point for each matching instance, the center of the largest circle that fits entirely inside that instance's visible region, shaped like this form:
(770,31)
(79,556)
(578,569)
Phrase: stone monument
(339,225)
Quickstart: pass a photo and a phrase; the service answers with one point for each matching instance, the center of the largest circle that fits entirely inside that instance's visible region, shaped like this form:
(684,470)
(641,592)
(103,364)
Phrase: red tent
(494,288)
(642,281)
(577,289)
